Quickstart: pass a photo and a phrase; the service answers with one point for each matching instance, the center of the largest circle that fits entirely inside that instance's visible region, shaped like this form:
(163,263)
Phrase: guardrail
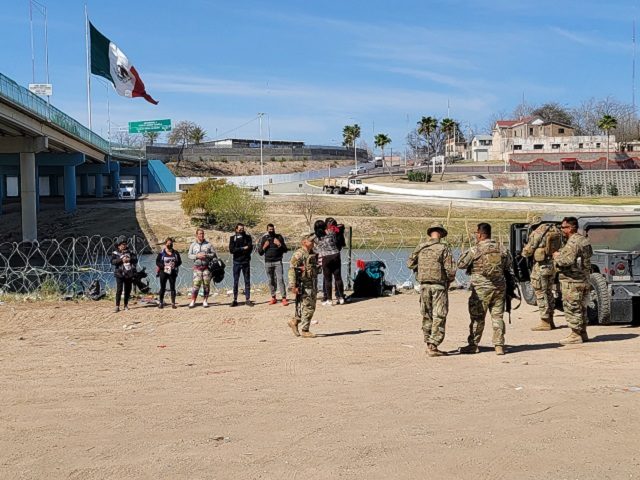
(24,99)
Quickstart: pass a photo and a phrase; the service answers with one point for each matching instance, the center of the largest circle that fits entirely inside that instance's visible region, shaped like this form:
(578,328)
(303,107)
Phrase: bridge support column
(69,188)
(53,185)
(2,189)
(29,194)
(84,185)
(99,186)
(115,182)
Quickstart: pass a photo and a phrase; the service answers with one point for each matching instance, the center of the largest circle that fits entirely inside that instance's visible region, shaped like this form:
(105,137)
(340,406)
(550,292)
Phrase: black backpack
(369,281)
(217,269)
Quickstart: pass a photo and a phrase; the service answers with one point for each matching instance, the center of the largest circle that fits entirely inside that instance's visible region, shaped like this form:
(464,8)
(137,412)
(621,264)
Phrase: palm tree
(197,134)
(426,126)
(607,123)
(448,126)
(381,141)
(351,133)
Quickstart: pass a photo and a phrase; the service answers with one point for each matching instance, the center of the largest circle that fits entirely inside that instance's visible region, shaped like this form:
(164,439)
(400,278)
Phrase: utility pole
(260,115)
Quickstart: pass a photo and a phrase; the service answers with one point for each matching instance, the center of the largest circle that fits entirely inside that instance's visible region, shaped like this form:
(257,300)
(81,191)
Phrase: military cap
(437,226)
(308,236)
(121,239)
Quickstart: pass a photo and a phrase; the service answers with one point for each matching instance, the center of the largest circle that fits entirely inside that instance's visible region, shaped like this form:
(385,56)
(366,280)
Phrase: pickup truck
(344,185)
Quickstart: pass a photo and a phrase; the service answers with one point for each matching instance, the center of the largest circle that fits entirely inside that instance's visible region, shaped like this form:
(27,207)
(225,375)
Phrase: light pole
(260,115)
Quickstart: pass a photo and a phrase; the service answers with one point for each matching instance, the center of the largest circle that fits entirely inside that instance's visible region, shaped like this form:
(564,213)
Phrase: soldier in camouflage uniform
(543,273)
(433,265)
(486,262)
(573,262)
(304,263)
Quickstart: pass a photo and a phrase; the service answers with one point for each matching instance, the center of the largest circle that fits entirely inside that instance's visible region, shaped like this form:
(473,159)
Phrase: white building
(478,151)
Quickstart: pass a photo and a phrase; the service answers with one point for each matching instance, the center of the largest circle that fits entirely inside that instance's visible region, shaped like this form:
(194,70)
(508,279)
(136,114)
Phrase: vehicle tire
(528,294)
(599,306)
(358,191)
(335,191)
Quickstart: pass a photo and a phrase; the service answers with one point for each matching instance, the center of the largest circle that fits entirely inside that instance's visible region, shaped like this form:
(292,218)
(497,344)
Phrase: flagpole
(86,27)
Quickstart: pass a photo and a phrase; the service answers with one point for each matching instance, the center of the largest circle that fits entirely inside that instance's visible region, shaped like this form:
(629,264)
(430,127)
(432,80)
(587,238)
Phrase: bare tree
(309,207)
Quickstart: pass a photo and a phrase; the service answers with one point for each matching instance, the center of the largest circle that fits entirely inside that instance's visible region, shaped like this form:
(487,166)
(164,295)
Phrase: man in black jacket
(241,247)
(272,246)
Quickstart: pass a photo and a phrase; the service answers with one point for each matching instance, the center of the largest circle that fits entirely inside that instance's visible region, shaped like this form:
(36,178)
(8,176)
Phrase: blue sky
(317,66)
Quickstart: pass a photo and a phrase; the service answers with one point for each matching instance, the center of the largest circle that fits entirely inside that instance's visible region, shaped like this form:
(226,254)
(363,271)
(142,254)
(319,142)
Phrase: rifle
(300,290)
(512,291)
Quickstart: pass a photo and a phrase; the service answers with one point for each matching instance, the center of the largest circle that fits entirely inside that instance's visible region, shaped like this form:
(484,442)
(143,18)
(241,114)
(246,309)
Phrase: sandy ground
(231,393)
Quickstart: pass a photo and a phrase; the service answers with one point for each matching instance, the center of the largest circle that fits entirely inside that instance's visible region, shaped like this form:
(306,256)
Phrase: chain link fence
(71,264)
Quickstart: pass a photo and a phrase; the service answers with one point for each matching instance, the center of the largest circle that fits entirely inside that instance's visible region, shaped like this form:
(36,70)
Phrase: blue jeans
(245,269)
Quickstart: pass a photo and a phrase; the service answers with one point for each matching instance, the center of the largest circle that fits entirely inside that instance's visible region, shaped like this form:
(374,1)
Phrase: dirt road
(230,393)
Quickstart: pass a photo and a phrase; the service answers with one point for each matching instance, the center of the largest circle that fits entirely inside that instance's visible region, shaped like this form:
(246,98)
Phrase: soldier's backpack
(488,262)
(430,269)
(550,243)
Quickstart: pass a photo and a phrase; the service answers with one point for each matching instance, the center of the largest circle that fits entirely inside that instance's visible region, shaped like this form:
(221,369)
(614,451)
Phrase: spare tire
(599,306)
(528,294)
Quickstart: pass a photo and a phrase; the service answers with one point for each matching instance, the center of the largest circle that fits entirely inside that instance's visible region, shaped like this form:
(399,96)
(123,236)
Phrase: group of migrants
(490,267)
(323,247)
(563,252)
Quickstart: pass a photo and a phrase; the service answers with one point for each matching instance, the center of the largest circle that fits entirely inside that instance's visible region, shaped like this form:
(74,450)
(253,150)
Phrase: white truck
(344,185)
(127,190)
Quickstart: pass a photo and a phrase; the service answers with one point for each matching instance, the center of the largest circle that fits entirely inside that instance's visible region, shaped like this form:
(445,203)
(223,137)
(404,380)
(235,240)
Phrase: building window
(555,146)
(531,131)
(517,147)
(561,130)
(598,145)
(538,146)
(580,145)
(629,148)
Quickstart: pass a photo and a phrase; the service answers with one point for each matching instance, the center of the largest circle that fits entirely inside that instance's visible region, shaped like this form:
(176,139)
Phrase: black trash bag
(217,267)
(94,292)
(369,280)
(138,281)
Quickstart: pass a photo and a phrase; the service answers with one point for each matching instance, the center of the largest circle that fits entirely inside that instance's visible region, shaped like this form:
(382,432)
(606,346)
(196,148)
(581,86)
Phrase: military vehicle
(615,264)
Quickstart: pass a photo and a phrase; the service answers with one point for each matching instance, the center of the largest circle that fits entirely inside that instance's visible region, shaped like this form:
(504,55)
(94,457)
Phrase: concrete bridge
(45,152)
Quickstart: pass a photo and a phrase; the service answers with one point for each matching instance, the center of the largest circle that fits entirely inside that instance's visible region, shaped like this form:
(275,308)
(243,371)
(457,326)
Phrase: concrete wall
(558,184)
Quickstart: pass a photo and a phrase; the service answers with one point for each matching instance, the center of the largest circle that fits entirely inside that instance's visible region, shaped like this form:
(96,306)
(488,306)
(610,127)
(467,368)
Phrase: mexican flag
(108,61)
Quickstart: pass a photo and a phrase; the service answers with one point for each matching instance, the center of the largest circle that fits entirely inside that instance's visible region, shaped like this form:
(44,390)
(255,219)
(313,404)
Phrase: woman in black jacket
(124,262)
(168,262)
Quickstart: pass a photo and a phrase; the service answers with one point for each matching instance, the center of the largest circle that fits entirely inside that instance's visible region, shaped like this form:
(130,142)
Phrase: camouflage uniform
(574,265)
(486,262)
(307,263)
(542,274)
(433,265)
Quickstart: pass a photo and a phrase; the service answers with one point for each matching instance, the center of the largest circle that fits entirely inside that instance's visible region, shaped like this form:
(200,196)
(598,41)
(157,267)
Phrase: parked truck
(344,185)
(615,264)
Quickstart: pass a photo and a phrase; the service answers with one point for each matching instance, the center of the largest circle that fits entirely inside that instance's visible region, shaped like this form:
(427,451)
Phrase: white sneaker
(341,301)
(205,304)
(192,304)
(327,303)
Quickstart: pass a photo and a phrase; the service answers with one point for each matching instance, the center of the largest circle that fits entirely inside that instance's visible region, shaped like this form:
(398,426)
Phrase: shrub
(222,204)
(612,189)
(224,160)
(637,188)
(418,176)
(595,189)
(273,159)
(576,184)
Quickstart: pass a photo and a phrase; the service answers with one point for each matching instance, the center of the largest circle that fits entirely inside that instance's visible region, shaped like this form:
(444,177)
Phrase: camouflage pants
(575,297)
(201,278)
(543,288)
(486,298)
(308,307)
(434,306)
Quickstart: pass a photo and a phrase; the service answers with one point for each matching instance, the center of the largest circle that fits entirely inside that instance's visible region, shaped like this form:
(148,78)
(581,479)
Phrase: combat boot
(293,323)
(469,349)
(308,334)
(543,326)
(432,351)
(499,350)
(583,334)
(573,338)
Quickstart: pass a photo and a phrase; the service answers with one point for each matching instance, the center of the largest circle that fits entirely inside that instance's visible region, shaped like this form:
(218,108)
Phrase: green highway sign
(150,126)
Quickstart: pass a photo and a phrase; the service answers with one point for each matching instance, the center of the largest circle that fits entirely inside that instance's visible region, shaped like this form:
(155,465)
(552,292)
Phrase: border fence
(68,266)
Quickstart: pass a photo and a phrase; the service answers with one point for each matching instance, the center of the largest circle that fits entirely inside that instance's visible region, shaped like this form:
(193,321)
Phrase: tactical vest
(310,262)
(430,268)
(488,262)
(551,243)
